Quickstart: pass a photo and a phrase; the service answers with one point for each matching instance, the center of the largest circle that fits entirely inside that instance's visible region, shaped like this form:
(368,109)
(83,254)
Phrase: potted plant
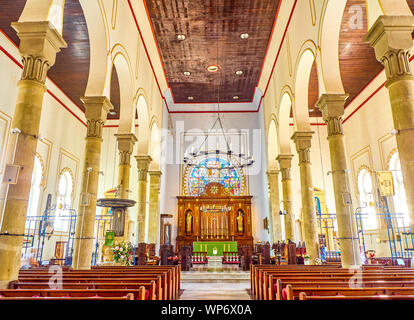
(306,259)
(123,252)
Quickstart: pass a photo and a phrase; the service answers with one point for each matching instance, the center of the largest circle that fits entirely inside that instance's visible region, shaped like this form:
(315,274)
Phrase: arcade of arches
(230,130)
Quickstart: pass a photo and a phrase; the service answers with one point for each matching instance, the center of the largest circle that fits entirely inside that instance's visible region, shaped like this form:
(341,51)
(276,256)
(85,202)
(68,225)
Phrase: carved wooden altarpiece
(215,215)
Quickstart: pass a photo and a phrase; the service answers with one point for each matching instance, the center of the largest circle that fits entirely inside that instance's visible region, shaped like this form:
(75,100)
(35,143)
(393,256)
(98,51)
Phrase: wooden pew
(303,296)
(165,286)
(129,296)
(293,292)
(137,294)
(263,284)
(276,285)
(150,289)
(158,291)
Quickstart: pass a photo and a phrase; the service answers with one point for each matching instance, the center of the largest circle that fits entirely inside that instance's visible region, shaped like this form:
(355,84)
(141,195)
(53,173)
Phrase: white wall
(251,124)
(62,135)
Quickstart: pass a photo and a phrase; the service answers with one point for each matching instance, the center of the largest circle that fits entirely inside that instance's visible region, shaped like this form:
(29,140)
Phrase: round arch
(100,61)
(376,8)
(143,124)
(272,145)
(122,63)
(306,58)
(284,121)
(155,145)
(329,31)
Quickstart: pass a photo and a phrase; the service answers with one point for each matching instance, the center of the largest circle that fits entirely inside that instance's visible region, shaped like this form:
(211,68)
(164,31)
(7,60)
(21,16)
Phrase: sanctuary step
(224,277)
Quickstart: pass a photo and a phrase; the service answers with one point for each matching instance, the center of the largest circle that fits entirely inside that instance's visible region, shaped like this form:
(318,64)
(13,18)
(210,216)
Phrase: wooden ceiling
(357,60)
(212,29)
(70,73)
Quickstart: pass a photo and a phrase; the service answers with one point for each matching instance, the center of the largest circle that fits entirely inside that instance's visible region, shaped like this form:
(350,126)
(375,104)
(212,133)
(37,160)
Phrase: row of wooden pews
(331,282)
(99,283)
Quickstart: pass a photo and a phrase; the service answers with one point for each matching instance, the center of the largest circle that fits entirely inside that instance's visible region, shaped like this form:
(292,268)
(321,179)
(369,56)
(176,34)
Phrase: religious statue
(240,224)
(189,222)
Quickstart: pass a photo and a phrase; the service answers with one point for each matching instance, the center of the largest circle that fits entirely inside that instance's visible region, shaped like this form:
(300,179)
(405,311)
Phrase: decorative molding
(396,63)
(94,129)
(35,68)
(286,174)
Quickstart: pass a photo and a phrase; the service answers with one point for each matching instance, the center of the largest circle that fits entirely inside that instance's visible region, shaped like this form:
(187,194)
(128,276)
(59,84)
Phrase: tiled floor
(215,291)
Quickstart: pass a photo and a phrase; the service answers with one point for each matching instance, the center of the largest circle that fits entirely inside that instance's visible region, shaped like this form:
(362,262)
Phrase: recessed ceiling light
(212,68)
(181,37)
(244,35)
(239,72)
(187,73)
(311,110)
(112,113)
(190,98)
(235,97)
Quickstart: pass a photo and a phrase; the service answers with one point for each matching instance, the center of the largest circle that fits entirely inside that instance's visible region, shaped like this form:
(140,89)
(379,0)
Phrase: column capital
(332,107)
(272,172)
(303,142)
(143,162)
(39,44)
(96,111)
(285,161)
(155,177)
(155,173)
(303,139)
(391,38)
(126,143)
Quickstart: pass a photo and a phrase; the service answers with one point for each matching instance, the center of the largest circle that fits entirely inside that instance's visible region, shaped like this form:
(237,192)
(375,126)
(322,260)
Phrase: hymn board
(214,216)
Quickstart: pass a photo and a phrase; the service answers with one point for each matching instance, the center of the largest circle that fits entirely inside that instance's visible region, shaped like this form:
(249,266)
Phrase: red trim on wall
(48,91)
(66,107)
(146,51)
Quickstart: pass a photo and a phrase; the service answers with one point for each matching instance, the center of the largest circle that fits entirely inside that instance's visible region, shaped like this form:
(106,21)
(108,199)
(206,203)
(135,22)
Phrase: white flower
(121,249)
(117,248)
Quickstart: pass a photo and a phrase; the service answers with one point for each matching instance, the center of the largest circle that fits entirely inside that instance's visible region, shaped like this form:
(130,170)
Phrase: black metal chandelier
(235,160)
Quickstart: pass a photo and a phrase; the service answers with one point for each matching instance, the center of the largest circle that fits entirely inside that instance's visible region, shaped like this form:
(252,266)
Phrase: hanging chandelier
(236,160)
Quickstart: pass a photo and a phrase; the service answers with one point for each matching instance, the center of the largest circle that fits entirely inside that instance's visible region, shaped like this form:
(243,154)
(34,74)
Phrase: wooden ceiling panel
(212,29)
(71,70)
(357,60)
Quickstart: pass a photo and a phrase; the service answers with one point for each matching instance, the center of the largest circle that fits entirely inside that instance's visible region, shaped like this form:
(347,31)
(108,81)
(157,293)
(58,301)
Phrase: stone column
(96,110)
(39,44)
(126,143)
(332,107)
(273,178)
(143,163)
(391,38)
(303,142)
(154,198)
(285,164)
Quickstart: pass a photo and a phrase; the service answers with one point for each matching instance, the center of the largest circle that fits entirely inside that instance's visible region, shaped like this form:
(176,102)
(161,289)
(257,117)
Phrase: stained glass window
(214,170)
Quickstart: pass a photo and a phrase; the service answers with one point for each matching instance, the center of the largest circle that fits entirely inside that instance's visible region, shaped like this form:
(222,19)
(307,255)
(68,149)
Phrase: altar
(213,246)
(214,219)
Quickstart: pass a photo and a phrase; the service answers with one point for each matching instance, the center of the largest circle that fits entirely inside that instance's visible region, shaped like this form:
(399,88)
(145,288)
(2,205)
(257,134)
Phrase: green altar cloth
(208,246)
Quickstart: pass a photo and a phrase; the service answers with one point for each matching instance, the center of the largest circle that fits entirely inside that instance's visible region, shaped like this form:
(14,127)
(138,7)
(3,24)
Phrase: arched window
(35,188)
(399,199)
(366,199)
(63,200)
(214,169)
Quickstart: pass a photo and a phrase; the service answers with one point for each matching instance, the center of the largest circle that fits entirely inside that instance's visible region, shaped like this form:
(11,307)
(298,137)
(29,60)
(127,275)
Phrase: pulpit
(214,216)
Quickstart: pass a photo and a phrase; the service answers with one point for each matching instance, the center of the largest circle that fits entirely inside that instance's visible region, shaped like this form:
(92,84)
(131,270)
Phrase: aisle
(215,285)
(215,291)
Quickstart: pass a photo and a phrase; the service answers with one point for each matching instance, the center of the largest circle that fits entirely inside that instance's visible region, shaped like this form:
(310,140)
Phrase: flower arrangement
(123,252)
(306,257)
